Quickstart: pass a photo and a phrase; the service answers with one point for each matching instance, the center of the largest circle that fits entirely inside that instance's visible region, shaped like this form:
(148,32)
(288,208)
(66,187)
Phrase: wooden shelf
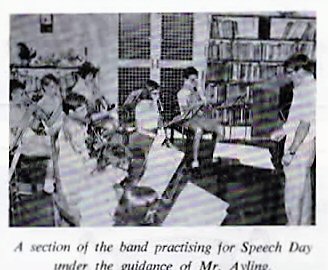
(15,66)
(273,16)
(224,124)
(261,54)
(290,40)
(233,82)
(214,61)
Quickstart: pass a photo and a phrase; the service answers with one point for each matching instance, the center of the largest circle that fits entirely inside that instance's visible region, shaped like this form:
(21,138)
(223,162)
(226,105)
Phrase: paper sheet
(162,163)
(248,155)
(196,207)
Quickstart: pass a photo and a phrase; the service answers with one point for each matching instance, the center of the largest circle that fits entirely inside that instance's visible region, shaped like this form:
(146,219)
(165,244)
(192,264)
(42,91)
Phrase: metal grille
(177,36)
(130,79)
(171,83)
(134,36)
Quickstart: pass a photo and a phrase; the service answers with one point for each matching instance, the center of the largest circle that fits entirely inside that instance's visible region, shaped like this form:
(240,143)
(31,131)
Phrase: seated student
(140,94)
(26,139)
(24,123)
(79,178)
(72,159)
(148,110)
(87,85)
(191,102)
(38,128)
(18,108)
(49,112)
(137,207)
(34,126)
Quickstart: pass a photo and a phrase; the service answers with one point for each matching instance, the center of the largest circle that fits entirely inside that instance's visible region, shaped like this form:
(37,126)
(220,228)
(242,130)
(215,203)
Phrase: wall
(97,32)
(201,36)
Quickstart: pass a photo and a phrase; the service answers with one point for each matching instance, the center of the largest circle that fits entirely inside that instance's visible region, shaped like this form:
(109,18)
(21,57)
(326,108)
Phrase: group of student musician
(37,124)
(298,128)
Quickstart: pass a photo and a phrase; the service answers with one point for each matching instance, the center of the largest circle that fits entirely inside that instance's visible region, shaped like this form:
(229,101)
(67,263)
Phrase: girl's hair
(86,69)
(46,79)
(152,84)
(14,86)
(140,196)
(73,101)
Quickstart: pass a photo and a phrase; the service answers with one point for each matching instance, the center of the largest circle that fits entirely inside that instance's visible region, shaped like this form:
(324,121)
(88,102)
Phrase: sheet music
(162,163)
(257,157)
(195,207)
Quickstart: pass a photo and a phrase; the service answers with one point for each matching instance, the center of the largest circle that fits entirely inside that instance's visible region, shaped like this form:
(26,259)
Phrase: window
(134,36)
(177,36)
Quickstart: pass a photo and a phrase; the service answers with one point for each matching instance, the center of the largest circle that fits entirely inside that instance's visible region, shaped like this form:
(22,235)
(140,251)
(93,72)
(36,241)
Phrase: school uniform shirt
(95,99)
(196,119)
(32,144)
(187,98)
(81,89)
(302,109)
(147,115)
(15,117)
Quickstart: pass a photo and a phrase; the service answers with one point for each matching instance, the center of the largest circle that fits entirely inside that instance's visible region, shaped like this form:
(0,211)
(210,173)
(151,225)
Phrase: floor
(255,196)
(33,208)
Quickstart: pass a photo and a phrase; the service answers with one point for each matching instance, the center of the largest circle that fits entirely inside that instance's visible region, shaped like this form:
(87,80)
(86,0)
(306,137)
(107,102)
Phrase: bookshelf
(246,48)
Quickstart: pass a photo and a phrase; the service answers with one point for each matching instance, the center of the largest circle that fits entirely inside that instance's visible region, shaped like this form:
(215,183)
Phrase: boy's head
(296,62)
(296,66)
(50,84)
(16,91)
(76,103)
(190,75)
(135,203)
(153,89)
(88,70)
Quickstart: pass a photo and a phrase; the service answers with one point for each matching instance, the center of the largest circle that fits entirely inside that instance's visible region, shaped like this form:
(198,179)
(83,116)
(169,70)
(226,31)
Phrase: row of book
(236,105)
(233,95)
(225,28)
(278,51)
(280,28)
(246,72)
(258,50)
(238,50)
(242,72)
(299,30)
(234,116)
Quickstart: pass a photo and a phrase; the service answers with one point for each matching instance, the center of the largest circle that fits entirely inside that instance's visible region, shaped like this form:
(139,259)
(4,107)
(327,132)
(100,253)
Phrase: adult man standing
(300,141)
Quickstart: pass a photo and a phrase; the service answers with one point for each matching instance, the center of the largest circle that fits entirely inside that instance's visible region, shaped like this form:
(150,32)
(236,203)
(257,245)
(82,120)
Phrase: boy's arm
(132,99)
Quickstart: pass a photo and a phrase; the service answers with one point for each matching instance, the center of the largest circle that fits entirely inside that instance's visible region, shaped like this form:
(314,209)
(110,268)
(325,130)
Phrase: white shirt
(187,98)
(302,109)
(31,143)
(81,89)
(16,114)
(147,115)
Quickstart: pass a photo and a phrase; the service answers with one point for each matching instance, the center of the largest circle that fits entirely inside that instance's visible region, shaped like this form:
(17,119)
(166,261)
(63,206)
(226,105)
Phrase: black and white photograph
(162,119)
